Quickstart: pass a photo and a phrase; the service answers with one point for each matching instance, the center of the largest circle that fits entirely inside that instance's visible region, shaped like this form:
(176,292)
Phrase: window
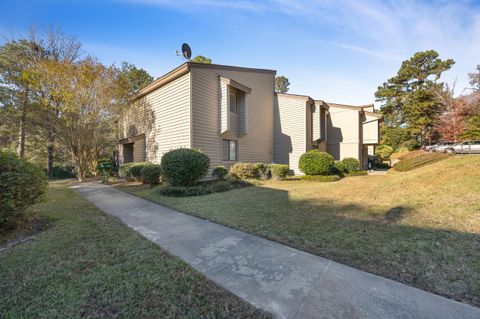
(233,103)
(229,150)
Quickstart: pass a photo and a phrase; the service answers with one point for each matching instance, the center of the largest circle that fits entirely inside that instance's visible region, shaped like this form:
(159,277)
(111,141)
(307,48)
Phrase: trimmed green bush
(356,173)
(320,178)
(350,164)
(244,170)
(184,166)
(263,170)
(279,171)
(315,162)
(22,184)
(338,167)
(151,174)
(134,172)
(383,152)
(203,188)
(220,172)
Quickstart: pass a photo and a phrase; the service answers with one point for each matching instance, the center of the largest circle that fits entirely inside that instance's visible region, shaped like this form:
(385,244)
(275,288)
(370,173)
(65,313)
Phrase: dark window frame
(226,150)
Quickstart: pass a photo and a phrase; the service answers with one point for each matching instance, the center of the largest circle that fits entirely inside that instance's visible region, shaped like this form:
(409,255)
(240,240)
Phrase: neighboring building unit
(233,115)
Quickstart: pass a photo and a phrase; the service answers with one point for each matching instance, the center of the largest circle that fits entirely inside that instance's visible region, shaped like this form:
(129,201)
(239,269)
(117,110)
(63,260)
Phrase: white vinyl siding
(163,116)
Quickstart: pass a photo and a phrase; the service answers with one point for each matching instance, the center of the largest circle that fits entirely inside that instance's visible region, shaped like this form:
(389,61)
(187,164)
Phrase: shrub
(320,178)
(279,171)
(338,168)
(356,173)
(62,172)
(151,174)
(220,172)
(134,172)
(350,164)
(315,162)
(184,166)
(202,188)
(244,170)
(22,184)
(105,166)
(383,152)
(263,170)
(411,145)
(123,169)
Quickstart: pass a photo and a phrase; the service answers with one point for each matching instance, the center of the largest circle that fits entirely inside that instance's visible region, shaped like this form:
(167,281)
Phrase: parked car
(467,147)
(429,148)
(442,146)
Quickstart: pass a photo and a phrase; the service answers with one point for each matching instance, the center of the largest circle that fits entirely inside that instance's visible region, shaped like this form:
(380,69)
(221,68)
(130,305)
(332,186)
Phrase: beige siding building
(233,115)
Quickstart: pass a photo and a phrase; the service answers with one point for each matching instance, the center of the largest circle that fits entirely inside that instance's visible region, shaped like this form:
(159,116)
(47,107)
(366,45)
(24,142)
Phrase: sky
(334,50)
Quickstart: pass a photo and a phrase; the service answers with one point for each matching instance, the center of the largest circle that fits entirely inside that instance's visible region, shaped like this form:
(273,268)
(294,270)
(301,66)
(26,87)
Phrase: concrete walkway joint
(284,281)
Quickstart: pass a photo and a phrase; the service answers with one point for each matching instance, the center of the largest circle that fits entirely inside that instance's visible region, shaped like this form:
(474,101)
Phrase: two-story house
(233,115)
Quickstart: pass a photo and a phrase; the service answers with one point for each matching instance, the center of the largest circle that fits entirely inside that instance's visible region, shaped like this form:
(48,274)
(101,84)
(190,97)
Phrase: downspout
(327,113)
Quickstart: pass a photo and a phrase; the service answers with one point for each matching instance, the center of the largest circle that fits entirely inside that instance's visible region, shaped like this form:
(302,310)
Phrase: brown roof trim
(228,67)
(164,79)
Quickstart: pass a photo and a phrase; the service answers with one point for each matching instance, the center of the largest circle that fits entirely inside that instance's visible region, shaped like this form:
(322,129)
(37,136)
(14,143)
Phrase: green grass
(88,264)
(420,227)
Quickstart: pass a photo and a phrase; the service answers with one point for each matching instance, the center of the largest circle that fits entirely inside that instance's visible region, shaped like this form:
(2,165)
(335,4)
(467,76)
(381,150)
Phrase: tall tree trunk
(23,125)
(50,153)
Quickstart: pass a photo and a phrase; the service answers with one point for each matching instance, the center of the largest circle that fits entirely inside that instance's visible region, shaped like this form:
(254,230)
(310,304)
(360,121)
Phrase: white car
(467,147)
(442,147)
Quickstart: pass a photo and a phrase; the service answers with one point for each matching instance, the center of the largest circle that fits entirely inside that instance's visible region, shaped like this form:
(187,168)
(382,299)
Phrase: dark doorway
(128,152)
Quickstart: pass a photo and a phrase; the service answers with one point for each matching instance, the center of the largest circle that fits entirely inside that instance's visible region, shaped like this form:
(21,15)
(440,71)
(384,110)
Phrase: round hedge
(22,184)
(315,162)
(184,166)
(220,172)
(350,164)
(151,174)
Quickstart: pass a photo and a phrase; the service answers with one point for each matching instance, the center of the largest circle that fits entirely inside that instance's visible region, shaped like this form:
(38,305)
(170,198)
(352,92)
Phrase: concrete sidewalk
(284,281)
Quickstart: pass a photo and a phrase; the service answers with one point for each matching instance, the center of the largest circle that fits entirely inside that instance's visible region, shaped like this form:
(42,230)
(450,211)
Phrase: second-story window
(233,103)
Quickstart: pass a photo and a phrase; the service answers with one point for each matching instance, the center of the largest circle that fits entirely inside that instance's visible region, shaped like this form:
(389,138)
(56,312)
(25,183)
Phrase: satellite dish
(186,51)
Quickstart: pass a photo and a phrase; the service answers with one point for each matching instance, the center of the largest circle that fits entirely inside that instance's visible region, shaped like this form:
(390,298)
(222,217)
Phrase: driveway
(284,281)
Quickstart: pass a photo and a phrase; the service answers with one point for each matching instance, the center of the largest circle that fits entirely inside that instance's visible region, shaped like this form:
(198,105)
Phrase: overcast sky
(338,51)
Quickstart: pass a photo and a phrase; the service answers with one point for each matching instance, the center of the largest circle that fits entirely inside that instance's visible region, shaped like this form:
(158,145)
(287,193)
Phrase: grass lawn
(420,227)
(87,264)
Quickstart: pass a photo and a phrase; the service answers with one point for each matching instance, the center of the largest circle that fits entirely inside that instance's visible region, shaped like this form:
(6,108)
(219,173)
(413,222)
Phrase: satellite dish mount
(186,52)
